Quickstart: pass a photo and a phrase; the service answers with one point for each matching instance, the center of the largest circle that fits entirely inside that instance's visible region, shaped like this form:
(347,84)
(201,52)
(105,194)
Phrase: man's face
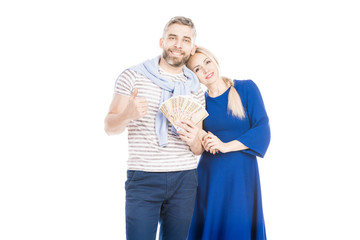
(177,45)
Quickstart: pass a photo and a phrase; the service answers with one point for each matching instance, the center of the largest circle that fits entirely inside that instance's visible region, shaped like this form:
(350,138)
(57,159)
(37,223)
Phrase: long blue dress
(228,202)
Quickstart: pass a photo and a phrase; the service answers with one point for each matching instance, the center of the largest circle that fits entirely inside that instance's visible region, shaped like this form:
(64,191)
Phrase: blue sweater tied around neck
(150,69)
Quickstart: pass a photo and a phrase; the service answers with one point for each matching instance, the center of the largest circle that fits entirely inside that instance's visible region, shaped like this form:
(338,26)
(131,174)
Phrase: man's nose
(178,44)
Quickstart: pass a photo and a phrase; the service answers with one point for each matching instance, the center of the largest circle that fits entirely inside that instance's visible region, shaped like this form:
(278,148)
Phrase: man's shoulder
(130,73)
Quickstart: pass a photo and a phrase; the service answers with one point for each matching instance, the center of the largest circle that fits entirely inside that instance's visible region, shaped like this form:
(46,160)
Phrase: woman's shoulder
(246,87)
(244,84)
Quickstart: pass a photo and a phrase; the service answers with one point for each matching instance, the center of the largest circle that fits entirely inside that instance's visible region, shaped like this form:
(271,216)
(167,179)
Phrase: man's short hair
(183,21)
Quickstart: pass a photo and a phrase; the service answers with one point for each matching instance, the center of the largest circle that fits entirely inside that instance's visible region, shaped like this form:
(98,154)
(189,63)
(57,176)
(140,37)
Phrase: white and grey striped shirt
(145,154)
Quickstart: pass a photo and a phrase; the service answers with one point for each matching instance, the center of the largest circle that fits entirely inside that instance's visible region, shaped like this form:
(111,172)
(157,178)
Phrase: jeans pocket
(130,176)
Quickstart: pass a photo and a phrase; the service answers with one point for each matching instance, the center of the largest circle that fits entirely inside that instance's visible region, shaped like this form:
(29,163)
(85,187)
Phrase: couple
(164,182)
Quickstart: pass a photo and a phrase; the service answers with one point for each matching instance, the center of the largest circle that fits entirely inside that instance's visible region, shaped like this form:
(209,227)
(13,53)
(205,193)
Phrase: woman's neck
(217,88)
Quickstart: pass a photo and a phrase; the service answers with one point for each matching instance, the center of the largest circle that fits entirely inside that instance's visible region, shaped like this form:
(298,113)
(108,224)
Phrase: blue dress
(228,203)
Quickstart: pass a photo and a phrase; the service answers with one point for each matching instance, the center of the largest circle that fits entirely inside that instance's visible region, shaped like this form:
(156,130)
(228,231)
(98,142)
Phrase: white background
(62,177)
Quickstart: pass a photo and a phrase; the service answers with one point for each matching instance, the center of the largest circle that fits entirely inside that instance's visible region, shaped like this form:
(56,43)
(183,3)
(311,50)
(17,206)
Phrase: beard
(175,61)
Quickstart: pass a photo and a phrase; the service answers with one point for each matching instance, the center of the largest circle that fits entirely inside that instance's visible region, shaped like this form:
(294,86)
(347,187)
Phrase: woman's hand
(213,144)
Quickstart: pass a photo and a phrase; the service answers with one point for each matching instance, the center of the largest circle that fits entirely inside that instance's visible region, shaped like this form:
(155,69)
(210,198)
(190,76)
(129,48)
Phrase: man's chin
(175,62)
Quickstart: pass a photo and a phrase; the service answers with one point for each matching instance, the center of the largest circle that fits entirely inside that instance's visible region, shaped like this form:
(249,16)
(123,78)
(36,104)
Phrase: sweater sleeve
(257,138)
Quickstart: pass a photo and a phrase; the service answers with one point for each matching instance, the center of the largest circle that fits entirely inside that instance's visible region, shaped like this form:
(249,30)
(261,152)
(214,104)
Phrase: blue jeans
(166,197)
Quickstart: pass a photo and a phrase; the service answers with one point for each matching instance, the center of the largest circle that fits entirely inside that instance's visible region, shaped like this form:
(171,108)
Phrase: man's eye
(196,70)
(208,61)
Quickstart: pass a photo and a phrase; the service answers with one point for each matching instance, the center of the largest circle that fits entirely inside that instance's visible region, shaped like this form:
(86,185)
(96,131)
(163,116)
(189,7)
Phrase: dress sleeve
(257,138)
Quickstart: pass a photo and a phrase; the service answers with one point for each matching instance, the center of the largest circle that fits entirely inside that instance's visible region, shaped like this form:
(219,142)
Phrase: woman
(228,202)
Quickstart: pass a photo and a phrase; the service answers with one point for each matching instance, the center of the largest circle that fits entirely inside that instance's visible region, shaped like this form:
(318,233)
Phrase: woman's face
(204,67)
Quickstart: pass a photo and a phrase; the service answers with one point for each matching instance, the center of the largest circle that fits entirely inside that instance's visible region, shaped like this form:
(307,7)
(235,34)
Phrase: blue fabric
(228,203)
(166,197)
(150,69)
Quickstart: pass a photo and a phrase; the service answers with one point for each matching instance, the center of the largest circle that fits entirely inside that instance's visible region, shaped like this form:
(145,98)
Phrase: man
(161,178)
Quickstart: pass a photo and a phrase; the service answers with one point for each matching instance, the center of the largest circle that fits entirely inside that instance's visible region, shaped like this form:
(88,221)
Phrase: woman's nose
(205,70)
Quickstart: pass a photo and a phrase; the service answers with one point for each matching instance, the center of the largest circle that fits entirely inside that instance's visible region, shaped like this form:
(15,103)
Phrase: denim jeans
(166,197)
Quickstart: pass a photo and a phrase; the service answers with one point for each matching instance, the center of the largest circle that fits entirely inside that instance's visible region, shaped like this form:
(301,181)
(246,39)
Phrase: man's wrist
(196,147)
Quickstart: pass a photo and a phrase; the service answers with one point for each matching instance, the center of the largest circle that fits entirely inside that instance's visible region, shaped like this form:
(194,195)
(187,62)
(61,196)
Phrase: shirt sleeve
(125,83)
(257,138)
(200,96)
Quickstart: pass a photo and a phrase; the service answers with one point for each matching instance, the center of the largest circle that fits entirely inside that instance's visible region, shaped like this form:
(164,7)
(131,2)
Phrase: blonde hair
(234,100)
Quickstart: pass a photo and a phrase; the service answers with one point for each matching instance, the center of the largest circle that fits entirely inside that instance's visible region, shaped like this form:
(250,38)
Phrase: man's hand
(189,132)
(137,107)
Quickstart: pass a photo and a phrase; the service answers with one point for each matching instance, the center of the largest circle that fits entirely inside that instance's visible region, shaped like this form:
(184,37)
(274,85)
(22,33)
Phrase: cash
(183,107)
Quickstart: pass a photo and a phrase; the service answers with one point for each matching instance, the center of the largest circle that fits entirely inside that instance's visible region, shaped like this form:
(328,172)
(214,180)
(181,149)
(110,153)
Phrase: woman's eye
(208,61)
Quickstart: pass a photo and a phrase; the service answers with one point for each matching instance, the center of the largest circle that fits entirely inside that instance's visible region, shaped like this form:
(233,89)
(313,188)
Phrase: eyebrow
(174,35)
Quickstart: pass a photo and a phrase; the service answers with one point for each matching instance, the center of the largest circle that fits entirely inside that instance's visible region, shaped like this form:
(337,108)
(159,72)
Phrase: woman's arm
(213,144)
(257,137)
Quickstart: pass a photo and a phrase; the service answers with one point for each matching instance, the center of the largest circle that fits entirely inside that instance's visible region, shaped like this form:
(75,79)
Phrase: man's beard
(175,61)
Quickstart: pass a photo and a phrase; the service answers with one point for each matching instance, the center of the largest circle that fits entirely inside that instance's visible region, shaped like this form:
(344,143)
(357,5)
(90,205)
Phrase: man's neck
(168,68)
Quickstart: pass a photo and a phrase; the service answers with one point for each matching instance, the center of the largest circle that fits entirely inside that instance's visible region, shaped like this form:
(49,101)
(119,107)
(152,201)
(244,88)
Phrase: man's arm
(122,110)
(197,147)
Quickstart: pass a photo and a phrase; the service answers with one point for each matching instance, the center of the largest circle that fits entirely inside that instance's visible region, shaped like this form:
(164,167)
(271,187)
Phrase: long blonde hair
(234,100)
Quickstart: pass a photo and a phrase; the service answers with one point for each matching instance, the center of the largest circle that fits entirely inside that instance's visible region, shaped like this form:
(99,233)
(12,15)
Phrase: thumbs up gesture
(137,106)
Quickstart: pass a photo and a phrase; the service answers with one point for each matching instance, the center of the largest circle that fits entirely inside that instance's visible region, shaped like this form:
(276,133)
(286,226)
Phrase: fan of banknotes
(183,107)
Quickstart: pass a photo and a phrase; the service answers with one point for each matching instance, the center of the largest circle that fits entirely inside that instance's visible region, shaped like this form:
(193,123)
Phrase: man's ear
(161,42)
(193,50)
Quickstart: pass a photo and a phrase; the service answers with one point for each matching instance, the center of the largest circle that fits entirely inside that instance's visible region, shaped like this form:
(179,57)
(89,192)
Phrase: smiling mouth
(176,54)
(209,76)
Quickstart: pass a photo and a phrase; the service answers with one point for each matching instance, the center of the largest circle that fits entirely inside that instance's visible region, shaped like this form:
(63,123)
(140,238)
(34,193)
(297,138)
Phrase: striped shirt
(145,154)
